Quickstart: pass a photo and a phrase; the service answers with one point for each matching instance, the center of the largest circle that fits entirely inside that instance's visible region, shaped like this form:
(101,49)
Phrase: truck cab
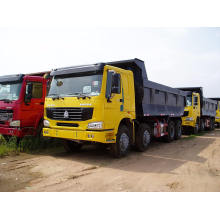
(88,103)
(200,112)
(192,111)
(21,104)
(217,117)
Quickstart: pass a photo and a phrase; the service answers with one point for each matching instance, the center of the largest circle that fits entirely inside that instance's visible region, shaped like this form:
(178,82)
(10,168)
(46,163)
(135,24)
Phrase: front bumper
(18,132)
(188,123)
(91,136)
(217,120)
(11,131)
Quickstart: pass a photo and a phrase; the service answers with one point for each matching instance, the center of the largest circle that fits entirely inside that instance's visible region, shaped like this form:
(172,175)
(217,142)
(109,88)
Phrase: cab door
(113,104)
(33,105)
(196,106)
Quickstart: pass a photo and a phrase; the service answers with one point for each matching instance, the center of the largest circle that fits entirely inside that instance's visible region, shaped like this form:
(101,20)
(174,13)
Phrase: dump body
(151,98)
(19,116)
(217,117)
(209,107)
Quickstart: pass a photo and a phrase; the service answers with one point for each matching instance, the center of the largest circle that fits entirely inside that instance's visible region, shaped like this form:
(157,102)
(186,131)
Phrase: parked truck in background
(217,117)
(111,103)
(22,104)
(199,112)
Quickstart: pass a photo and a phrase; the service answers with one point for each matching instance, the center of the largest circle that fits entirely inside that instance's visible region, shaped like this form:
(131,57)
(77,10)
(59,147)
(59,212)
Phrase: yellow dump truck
(199,112)
(217,117)
(111,103)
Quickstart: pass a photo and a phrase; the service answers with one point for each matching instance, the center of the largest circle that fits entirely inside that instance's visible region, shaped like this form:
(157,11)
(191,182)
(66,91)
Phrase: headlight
(95,125)
(46,123)
(16,123)
(189,119)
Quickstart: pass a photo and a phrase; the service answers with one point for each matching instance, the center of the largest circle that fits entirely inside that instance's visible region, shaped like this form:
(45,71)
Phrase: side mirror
(109,85)
(28,93)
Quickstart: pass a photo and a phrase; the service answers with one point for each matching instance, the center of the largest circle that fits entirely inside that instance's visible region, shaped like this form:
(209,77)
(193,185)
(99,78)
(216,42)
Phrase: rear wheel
(178,130)
(143,137)
(202,125)
(123,142)
(171,132)
(212,124)
(71,146)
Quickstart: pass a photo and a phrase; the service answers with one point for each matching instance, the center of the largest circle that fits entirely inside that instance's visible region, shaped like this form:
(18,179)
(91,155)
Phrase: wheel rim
(146,138)
(124,142)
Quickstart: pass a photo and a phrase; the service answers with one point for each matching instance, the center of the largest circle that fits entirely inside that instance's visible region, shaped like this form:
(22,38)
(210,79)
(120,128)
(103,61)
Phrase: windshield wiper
(83,96)
(79,95)
(6,100)
(55,96)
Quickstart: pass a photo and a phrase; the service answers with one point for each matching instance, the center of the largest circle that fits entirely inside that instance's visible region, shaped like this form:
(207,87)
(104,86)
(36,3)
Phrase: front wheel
(123,142)
(196,128)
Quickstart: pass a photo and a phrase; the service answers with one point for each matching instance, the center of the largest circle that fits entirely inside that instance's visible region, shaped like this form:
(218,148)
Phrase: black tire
(171,132)
(123,143)
(71,146)
(212,124)
(195,130)
(210,128)
(39,133)
(143,137)
(202,125)
(178,130)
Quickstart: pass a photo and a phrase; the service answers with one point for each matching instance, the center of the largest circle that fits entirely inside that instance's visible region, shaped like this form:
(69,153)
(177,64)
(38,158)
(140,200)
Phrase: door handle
(41,103)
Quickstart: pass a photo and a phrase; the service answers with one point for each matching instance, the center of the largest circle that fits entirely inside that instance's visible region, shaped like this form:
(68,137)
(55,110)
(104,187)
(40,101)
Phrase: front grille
(70,114)
(67,124)
(6,114)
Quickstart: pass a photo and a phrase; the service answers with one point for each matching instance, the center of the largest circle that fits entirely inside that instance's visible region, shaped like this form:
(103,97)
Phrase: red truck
(22,103)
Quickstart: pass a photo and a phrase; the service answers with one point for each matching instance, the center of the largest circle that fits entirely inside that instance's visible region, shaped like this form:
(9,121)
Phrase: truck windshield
(87,84)
(189,100)
(10,91)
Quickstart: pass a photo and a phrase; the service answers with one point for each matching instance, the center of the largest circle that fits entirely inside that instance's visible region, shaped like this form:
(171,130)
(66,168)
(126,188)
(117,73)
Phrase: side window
(195,100)
(36,88)
(116,83)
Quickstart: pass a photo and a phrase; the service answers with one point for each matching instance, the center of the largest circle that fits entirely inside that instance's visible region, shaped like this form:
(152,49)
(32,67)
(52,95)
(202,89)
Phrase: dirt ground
(189,164)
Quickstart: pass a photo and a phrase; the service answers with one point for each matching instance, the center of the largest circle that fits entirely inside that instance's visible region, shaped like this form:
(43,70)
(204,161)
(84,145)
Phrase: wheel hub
(146,138)
(124,141)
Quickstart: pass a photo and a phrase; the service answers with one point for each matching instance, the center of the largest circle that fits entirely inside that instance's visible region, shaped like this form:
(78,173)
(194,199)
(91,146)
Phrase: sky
(174,57)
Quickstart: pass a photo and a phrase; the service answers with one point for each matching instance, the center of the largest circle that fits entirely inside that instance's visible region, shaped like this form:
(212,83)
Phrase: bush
(7,147)
(28,144)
